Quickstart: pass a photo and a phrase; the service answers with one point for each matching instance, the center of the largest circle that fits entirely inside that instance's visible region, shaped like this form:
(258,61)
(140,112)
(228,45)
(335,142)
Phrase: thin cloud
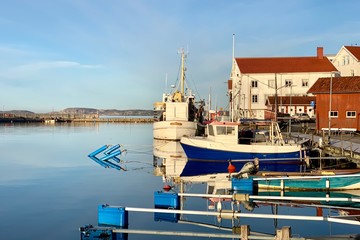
(37,67)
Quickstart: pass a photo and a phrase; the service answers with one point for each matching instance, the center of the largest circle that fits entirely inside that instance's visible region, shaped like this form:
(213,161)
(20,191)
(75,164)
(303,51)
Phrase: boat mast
(231,112)
(182,76)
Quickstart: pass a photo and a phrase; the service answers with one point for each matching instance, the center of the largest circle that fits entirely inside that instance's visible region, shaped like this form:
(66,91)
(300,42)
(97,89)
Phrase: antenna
(166,82)
(233,47)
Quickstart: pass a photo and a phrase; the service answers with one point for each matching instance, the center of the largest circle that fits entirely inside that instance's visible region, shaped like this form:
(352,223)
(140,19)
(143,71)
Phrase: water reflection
(308,213)
(169,159)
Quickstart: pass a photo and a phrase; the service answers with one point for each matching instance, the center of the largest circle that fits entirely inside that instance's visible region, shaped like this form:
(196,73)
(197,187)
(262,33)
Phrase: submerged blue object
(98,151)
(104,164)
(113,148)
(109,155)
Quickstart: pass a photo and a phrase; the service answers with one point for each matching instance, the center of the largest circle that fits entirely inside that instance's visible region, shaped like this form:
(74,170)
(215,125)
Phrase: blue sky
(115,54)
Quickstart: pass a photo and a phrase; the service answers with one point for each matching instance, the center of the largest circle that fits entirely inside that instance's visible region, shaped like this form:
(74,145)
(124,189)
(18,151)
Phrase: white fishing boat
(176,115)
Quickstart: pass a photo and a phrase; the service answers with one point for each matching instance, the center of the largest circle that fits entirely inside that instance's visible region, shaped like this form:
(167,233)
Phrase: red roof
(284,65)
(354,50)
(295,100)
(339,85)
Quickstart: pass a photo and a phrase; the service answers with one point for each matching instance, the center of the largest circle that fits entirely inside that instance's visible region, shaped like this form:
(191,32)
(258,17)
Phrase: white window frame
(254,83)
(350,114)
(305,82)
(334,114)
(271,83)
(254,98)
(288,82)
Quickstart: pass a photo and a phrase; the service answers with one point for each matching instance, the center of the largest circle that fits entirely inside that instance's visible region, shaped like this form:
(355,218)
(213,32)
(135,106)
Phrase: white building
(254,79)
(347,61)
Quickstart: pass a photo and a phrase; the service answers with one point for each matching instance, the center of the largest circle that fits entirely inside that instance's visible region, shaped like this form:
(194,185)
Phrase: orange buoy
(231,168)
(167,188)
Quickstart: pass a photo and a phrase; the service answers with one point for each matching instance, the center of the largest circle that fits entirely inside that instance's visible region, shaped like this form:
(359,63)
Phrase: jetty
(339,145)
(51,118)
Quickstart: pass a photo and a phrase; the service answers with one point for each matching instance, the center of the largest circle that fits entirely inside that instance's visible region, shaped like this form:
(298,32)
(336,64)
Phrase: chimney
(320,52)
(230,84)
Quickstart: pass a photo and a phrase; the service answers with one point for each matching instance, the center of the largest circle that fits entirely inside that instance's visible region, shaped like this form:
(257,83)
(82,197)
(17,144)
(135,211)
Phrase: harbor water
(49,187)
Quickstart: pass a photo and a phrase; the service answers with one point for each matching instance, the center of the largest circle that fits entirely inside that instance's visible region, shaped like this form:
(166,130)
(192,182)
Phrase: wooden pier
(342,145)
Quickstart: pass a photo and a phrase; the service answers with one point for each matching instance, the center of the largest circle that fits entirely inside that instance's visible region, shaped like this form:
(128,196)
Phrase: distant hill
(108,112)
(18,112)
(102,112)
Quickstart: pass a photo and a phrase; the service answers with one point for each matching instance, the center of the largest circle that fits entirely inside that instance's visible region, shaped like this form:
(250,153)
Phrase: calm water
(49,187)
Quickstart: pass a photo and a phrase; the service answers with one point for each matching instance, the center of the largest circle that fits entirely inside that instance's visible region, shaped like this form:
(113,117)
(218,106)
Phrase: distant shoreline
(61,118)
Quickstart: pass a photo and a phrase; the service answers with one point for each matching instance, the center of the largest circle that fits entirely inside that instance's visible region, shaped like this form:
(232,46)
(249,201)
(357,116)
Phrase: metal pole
(290,108)
(329,115)
(334,199)
(234,214)
(192,234)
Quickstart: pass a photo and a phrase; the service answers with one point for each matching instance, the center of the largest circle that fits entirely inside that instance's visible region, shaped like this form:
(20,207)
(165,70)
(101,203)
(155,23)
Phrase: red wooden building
(337,103)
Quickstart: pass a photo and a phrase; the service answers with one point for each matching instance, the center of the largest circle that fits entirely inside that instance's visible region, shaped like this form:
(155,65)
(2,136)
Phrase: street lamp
(330,97)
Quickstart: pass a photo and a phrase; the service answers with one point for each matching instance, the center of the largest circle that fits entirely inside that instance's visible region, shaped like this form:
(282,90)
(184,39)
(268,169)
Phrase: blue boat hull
(209,161)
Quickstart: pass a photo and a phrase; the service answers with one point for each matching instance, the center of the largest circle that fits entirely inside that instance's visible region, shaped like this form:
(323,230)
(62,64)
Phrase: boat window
(210,189)
(260,137)
(211,130)
(225,130)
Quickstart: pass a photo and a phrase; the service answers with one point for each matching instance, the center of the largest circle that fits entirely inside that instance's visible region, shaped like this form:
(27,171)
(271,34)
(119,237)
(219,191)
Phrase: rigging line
(195,88)
(141,152)
(177,82)
(137,161)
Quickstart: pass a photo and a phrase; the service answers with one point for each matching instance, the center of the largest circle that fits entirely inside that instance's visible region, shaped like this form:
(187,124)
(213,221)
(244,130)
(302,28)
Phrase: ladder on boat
(276,136)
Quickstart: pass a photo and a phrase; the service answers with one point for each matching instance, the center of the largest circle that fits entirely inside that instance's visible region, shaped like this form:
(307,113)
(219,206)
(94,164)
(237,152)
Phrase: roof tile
(339,85)
(354,50)
(284,65)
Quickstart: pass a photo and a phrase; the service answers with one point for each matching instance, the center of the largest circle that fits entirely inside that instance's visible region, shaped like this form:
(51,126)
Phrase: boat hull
(173,130)
(318,183)
(205,157)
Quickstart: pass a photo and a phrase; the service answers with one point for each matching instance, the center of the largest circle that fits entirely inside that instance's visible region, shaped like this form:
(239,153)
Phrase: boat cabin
(235,133)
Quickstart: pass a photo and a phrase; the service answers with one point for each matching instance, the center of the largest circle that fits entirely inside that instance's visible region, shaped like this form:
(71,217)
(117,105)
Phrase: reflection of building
(253,80)
(345,107)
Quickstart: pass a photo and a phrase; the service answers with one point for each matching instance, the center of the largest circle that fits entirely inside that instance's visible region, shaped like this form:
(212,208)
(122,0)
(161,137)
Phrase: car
(301,117)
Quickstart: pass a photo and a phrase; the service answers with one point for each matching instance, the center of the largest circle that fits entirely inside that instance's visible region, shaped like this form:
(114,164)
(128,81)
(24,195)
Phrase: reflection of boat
(169,158)
(240,143)
(176,115)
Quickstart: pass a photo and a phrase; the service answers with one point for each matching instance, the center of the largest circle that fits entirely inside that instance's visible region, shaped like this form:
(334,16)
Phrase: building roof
(284,65)
(295,100)
(339,85)
(354,50)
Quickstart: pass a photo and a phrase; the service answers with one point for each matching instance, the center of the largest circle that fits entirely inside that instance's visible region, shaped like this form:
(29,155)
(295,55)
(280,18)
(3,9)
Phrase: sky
(123,54)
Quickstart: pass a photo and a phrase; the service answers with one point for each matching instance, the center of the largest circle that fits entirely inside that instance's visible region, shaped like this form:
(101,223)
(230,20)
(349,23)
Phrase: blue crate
(166,200)
(113,216)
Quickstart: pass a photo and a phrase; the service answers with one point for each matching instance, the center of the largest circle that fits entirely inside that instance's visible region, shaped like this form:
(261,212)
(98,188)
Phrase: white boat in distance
(177,116)
(240,143)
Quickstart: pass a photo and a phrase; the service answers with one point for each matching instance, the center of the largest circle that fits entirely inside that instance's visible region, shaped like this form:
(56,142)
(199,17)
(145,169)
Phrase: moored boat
(176,115)
(239,143)
(307,183)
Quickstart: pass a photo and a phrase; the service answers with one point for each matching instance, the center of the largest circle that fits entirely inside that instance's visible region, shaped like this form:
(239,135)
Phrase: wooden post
(245,232)
(284,233)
